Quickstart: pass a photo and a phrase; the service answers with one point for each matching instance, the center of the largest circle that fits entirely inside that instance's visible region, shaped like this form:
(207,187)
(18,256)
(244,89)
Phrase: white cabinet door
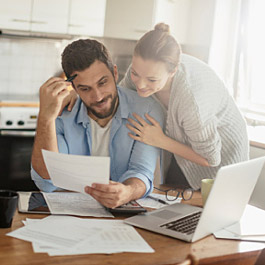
(15,14)
(50,16)
(129,19)
(87,17)
(177,14)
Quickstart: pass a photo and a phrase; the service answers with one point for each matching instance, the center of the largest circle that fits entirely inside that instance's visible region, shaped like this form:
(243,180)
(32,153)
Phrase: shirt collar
(123,108)
(82,116)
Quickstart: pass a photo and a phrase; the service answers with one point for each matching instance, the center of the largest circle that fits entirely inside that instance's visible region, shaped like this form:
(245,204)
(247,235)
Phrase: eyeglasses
(173,194)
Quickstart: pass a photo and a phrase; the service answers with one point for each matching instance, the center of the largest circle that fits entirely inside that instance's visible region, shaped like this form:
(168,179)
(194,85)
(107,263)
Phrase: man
(96,125)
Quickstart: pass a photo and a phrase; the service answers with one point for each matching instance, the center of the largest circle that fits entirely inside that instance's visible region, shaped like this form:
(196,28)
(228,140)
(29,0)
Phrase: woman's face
(148,76)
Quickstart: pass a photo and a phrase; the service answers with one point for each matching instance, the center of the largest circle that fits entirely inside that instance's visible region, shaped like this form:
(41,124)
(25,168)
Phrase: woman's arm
(182,150)
(152,134)
(69,101)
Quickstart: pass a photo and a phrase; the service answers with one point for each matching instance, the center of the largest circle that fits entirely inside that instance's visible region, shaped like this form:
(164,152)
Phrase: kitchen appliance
(18,121)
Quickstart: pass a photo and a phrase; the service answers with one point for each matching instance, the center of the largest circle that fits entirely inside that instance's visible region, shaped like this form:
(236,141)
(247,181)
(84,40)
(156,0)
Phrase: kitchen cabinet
(15,14)
(126,19)
(34,15)
(74,17)
(49,16)
(177,14)
(87,17)
(123,19)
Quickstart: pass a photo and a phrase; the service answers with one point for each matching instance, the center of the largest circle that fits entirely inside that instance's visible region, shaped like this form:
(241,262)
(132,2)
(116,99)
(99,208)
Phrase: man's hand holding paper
(88,174)
(115,194)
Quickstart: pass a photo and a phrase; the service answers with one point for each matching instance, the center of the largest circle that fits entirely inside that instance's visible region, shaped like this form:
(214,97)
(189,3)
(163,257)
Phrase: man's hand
(52,94)
(115,194)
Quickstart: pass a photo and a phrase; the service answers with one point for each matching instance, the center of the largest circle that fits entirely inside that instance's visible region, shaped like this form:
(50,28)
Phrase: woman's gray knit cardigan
(202,114)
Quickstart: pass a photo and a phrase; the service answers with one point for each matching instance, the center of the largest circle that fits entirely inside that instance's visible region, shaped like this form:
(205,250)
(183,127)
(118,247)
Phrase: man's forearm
(137,188)
(45,139)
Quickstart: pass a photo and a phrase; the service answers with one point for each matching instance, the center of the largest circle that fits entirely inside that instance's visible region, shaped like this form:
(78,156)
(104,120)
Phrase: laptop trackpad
(166,214)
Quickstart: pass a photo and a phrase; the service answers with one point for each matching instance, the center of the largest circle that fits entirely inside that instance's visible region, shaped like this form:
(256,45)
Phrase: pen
(71,78)
(158,200)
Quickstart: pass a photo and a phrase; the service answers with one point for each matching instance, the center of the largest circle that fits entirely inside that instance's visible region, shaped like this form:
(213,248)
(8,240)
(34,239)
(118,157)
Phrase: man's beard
(110,112)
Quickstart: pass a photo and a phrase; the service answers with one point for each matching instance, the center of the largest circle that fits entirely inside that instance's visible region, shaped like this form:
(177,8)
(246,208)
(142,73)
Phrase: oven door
(15,158)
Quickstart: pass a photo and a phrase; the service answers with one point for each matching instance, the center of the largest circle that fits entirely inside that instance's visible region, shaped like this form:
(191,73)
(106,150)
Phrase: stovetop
(18,112)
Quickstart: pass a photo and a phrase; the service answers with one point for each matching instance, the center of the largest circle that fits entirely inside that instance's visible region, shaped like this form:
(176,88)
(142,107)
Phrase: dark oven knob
(9,122)
(20,123)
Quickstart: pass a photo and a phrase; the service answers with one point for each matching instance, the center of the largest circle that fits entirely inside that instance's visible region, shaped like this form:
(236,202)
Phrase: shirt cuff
(43,184)
(144,179)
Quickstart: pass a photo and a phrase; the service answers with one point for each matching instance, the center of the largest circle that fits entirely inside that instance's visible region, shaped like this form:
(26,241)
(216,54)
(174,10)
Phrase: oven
(17,131)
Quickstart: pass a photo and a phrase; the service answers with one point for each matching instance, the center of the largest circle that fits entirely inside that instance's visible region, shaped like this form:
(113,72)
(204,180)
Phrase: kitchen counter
(7,100)
(19,104)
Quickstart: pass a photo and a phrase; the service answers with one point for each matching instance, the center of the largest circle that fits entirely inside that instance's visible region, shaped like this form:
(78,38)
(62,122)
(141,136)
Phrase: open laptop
(257,198)
(225,205)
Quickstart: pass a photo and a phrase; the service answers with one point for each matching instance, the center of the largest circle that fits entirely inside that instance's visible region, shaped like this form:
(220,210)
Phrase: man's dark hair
(80,54)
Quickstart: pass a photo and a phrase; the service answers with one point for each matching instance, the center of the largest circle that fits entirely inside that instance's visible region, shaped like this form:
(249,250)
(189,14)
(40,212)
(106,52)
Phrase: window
(249,78)
(237,53)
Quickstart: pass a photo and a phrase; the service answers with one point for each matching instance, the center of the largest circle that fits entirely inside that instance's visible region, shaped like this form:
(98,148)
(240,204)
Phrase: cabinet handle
(140,30)
(20,20)
(38,22)
(75,26)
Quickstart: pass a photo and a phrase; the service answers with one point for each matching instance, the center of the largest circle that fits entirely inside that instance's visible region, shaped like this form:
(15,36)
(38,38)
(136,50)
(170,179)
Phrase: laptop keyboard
(185,225)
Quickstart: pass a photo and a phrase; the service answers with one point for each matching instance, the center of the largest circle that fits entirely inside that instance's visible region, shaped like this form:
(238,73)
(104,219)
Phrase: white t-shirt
(100,138)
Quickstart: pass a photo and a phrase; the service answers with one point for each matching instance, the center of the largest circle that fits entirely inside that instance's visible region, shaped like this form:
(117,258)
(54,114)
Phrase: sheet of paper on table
(150,203)
(75,203)
(74,172)
(250,227)
(66,235)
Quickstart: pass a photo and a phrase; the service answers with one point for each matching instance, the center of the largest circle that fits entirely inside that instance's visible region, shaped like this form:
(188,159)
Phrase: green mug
(206,186)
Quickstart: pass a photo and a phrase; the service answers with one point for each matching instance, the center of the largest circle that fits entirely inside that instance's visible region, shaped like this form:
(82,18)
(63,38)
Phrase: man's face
(96,87)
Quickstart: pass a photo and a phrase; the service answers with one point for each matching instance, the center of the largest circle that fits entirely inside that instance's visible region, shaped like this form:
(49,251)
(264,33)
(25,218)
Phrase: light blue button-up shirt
(129,158)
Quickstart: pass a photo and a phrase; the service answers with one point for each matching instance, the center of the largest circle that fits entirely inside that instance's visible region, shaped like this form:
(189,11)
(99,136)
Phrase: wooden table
(167,250)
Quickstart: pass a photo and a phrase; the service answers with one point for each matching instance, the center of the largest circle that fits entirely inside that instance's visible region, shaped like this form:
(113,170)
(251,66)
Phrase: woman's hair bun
(162,27)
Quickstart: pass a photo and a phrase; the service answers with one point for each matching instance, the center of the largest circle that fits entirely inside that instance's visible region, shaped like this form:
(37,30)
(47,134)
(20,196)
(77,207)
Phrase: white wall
(26,63)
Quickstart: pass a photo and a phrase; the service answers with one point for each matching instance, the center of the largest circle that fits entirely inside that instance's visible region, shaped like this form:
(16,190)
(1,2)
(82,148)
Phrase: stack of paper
(66,235)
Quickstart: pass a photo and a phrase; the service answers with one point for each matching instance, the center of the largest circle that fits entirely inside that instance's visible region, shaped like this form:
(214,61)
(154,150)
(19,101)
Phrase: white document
(37,247)
(250,227)
(74,172)
(225,234)
(54,231)
(75,203)
(66,235)
(252,223)
(150,203)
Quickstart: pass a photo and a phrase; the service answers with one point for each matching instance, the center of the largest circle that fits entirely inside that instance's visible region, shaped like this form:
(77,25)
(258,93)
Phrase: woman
(204,129)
